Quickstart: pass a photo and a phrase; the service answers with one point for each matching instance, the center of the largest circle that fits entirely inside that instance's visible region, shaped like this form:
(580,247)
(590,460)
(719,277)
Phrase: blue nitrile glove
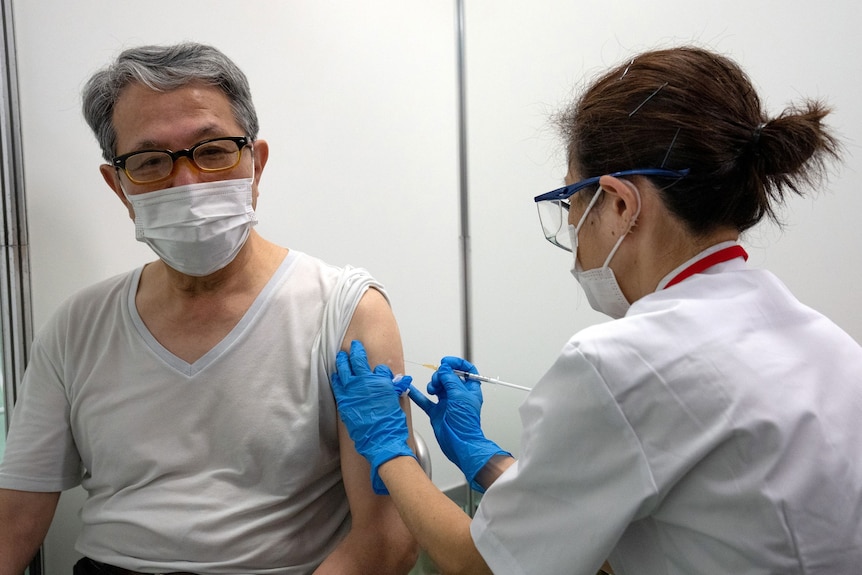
(455,418)
(369,407)
(401,384)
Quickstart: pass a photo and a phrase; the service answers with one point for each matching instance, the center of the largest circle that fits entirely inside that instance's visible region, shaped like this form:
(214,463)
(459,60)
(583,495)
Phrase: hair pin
(626,71)
(648,98)
(669,148)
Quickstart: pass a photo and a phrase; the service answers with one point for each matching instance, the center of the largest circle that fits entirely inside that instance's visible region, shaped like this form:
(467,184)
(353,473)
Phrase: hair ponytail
(689,108)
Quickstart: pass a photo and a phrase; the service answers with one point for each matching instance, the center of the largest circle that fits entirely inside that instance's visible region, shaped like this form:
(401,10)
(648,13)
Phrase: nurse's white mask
(600,284)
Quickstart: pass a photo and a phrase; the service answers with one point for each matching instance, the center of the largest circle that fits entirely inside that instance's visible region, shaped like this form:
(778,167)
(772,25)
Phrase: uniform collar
(706,259)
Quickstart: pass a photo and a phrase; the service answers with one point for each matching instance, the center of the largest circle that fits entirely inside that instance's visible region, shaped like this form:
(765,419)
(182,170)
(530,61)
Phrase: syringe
(475,376)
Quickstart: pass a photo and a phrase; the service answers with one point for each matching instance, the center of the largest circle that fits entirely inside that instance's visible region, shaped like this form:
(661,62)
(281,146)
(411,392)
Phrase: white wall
(358,103)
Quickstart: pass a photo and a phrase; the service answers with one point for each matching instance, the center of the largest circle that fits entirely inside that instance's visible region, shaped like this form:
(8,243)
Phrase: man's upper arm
(374,325)
(25,517)
(375,518)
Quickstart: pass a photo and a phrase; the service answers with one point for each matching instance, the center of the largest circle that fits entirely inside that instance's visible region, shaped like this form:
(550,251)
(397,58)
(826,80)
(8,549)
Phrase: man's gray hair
(164,68)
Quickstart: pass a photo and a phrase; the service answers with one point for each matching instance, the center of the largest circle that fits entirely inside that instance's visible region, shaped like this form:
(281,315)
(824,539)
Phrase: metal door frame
(16,318)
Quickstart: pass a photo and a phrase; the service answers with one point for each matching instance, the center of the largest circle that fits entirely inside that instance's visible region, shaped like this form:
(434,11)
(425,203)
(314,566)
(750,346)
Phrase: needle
(475,376)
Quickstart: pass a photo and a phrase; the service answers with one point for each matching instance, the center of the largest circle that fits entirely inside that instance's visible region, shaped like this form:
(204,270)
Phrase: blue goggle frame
(567,191)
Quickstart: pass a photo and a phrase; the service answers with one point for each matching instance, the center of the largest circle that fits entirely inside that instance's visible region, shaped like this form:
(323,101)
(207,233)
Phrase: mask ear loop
(577,229)
(589,207)
(631,224)
(120,183)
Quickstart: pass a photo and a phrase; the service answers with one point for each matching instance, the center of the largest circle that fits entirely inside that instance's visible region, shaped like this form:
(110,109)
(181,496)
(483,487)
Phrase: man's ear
(261,155)
(112,178)
(623,199)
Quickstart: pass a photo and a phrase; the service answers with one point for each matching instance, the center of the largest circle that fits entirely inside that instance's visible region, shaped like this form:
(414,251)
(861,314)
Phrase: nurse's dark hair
(689,108)
(164,68)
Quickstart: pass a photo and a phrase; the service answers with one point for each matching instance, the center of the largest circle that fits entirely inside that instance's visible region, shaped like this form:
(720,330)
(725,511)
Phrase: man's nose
(184,172)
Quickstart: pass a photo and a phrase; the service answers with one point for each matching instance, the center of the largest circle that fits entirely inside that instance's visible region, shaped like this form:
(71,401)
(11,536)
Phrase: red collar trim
(718,257)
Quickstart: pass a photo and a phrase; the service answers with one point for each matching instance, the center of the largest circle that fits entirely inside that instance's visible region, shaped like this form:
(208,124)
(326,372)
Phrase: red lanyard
(718,257)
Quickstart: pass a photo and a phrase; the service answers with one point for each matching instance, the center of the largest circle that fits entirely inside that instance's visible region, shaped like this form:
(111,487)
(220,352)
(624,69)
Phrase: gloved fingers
(383,369)
(401,383)
(459,364)
(358,358)
(342,368)
(435,386)
(419,398)
(460,391)
(453,363)
(445,381)
(337,384)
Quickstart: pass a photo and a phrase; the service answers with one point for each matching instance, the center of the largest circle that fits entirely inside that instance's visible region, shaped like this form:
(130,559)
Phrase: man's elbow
(401,555)
(382,549)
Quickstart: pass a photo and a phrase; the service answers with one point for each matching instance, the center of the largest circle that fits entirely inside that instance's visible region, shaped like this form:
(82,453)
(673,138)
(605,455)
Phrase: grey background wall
(359,104)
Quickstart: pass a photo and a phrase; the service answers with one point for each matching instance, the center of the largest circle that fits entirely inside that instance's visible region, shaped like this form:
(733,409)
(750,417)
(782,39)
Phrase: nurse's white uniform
(713,429)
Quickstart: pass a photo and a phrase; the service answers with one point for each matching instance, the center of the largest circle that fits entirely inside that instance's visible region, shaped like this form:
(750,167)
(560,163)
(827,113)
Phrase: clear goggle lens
(554,217)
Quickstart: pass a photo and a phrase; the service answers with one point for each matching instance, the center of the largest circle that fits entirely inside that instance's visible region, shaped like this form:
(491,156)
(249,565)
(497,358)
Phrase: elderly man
(190,397)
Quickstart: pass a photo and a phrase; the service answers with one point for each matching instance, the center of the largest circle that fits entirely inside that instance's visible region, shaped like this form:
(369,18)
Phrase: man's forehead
(146,118)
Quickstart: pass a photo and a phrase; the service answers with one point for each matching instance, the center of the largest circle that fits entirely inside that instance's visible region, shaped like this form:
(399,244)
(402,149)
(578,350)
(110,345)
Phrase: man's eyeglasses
(554,206)
(215,155)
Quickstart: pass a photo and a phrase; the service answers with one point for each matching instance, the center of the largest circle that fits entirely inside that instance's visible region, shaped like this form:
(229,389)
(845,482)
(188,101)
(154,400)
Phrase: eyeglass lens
(554,217)
(212,156)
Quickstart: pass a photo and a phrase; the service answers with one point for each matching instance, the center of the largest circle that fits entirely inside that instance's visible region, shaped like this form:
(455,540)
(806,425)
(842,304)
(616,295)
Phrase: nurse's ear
(623,202)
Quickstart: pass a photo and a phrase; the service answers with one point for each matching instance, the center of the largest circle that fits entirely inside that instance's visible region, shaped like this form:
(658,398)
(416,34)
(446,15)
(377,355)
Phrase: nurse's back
(746,405)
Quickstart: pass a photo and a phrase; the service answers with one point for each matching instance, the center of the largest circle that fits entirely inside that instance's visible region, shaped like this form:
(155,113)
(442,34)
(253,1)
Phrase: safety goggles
(554,206)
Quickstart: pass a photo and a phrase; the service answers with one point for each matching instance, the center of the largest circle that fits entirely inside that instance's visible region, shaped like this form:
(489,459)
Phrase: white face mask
(197,229)
(600,284)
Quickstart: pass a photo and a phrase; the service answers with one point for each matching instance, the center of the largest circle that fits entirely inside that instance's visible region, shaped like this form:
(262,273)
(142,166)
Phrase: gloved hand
(369,407)
(455,418)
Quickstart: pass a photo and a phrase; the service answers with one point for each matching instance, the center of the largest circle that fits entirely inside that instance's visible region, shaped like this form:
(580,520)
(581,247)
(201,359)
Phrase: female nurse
(713,426)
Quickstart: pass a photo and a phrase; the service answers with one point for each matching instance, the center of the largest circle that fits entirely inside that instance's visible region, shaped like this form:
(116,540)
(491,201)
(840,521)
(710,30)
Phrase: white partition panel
(358,102)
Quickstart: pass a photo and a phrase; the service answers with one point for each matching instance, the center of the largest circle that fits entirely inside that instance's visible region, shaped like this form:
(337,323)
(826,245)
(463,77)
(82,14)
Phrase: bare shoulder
(375,326)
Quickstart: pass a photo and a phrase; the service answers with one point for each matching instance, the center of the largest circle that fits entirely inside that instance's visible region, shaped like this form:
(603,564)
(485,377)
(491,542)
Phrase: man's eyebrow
(147,145)
(203,133)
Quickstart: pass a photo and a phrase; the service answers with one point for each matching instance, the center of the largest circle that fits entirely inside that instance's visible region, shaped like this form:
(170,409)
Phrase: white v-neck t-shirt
(226,465)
